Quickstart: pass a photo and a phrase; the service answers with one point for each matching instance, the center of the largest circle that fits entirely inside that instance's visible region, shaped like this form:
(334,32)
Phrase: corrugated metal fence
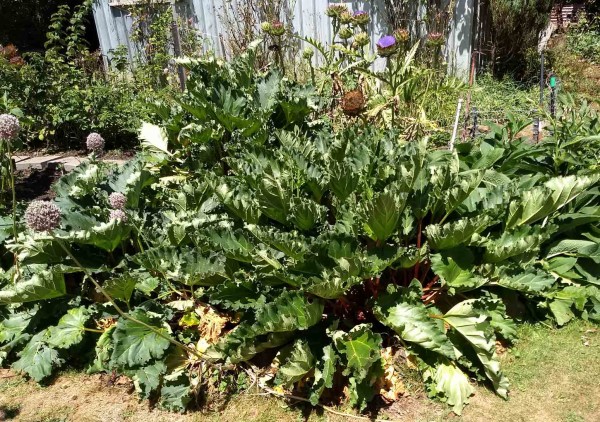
(114,24)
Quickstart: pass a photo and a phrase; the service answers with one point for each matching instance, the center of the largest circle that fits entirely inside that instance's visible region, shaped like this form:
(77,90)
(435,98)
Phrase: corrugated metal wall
(114,24)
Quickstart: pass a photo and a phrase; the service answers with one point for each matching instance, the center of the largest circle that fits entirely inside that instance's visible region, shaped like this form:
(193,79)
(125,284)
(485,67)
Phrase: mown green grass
(554,374)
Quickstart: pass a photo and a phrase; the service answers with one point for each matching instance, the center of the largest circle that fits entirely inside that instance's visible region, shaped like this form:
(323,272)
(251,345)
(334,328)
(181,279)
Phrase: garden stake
(456,118)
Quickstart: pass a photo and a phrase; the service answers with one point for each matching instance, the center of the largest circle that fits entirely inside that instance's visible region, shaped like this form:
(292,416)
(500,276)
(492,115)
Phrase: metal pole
(474,128)
(177,46)
(553,95)
(537,127)
(458,107)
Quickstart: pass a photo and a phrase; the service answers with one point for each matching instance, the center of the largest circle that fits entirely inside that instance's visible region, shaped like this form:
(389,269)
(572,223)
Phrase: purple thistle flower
(386,46)
(95,142)
(9,127)
(117,200)
(118,215)
(42,216)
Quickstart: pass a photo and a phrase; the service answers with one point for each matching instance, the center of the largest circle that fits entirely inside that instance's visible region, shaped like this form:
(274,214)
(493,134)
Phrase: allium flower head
(386,46)
(118,215)
(9,127)
(361,17)
(117,200)
(95,142)
(42,216)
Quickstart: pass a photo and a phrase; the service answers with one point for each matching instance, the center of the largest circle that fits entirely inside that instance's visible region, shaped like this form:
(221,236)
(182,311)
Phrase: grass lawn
(554,374)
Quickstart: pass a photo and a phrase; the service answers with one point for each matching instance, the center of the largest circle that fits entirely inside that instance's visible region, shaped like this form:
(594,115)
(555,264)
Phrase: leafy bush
(584,38)
(254,229)
(66,94)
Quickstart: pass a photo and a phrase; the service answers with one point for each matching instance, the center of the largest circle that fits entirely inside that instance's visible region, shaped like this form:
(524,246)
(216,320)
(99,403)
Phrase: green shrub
(583,39)
(254,228)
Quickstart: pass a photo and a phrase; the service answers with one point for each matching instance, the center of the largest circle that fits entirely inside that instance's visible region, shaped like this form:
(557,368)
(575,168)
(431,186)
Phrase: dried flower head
(361,18)
(118,215)
(386,46)
(9,127)
(42,216)
(117,200)
(353,103)
(95,142)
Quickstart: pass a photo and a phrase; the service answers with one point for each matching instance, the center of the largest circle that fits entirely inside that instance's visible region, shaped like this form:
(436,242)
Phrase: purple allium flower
(9,127)
(117,200)
(386,46)
(42,216)
(95,142)
(361,17)
(118,215)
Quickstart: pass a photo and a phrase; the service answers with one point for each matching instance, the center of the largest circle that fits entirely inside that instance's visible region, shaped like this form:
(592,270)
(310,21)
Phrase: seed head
(308,53)
(42,216)
(118,215)
(95,142)
(402,35)
(362,39)
(117,200)
(9,127)
(346,33)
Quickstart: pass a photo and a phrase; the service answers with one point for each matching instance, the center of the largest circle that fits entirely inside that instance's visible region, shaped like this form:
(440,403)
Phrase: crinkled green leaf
(37,359)
(136,344)
(324,372)
(295,364)
(475,328)
(70,329)
(447,382)
(43,284)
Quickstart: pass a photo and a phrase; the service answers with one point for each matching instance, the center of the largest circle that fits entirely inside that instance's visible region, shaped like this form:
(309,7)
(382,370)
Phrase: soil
(36,184)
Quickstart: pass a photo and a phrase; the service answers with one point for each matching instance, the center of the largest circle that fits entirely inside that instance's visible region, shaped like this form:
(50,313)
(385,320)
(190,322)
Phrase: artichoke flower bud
(386,46)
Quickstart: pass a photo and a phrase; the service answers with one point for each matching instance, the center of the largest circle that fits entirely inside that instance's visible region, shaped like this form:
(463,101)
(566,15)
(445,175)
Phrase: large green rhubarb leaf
(37,359)
(323,374)
(476,330)
(70,329)
(448,383)
(411,321)
(296,363)
(43,284)
(135,344)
